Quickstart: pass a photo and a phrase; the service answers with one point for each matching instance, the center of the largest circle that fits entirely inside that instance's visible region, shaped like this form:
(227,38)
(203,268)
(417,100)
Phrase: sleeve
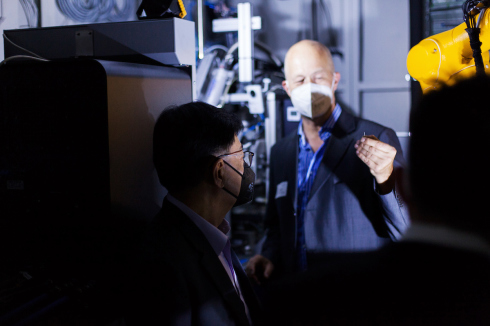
(394,210)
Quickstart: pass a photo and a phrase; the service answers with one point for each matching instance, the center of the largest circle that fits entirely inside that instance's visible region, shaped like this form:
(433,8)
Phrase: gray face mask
(247,187)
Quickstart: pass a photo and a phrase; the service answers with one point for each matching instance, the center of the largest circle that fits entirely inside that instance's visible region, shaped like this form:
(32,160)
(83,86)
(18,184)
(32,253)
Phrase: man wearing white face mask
(310,98)
(331,187)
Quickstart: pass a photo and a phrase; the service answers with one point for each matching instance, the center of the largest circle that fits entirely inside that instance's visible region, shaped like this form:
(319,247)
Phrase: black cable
(328,19)
(314,21)
(470,11)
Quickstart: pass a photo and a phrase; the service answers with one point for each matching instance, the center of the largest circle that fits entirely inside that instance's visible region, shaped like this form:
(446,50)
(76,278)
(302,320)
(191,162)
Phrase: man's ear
(337,80)
(218,173)
(286,87)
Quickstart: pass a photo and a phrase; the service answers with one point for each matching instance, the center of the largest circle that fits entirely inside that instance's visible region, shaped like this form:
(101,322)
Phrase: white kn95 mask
(309,96)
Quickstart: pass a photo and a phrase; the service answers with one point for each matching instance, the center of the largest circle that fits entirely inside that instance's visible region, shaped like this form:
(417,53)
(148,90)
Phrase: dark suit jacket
(403,283)
(355,217)
(179,280)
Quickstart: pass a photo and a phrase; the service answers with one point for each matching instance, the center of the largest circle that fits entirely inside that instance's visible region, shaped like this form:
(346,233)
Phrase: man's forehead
(312,71)
(299,63)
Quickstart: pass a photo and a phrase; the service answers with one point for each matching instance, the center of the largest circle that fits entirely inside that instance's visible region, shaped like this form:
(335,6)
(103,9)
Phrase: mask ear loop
(236,172)
(236,197)
(234,168)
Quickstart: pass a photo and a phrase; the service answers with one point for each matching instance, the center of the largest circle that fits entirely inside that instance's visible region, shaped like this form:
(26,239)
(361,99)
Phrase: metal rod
(200,31)
(245,43)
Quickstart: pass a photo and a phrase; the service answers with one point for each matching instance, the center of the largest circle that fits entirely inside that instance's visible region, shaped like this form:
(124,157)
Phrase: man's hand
(379,157)
(259,267)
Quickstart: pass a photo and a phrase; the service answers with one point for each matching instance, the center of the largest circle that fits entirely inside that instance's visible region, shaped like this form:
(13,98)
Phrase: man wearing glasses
(187,273)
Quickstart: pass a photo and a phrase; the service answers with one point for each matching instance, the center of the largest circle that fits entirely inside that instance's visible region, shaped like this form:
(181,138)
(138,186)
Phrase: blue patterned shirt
(308,163)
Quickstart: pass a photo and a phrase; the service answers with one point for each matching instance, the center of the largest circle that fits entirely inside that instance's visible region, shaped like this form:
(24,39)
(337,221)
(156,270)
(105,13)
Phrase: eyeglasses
(247,156)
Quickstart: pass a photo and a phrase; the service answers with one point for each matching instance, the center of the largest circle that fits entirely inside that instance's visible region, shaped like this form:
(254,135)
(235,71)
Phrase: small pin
(364,133)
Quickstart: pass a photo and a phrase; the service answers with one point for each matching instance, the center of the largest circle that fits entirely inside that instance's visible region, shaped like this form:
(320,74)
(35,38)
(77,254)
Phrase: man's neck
(312,127)
(204,204)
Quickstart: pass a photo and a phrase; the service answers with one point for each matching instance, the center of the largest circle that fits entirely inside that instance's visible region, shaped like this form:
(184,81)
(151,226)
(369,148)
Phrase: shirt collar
(449,237)
(216,236)
(326,128)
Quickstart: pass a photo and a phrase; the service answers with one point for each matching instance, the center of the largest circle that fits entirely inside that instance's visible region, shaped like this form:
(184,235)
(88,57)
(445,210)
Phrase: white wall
(51,16)
(13,17)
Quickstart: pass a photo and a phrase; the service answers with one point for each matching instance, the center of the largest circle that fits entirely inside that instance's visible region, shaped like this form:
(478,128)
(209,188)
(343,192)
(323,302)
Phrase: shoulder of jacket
(286,141)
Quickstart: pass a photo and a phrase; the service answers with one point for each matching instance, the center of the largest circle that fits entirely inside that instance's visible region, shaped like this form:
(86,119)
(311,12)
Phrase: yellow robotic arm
(447,57)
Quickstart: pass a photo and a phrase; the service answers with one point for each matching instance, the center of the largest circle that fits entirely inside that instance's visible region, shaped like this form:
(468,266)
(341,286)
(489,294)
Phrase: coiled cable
(96,10)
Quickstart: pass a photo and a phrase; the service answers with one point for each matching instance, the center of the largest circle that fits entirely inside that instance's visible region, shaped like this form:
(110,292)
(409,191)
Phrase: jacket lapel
(217,273)
(212,265)
(337,146)
(246,288)
(290,167)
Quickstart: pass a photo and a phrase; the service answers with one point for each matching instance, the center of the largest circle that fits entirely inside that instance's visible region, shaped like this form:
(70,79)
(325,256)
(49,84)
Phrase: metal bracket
(253,97)
(84,43)
(224,25)
(245,24)
(292,114)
